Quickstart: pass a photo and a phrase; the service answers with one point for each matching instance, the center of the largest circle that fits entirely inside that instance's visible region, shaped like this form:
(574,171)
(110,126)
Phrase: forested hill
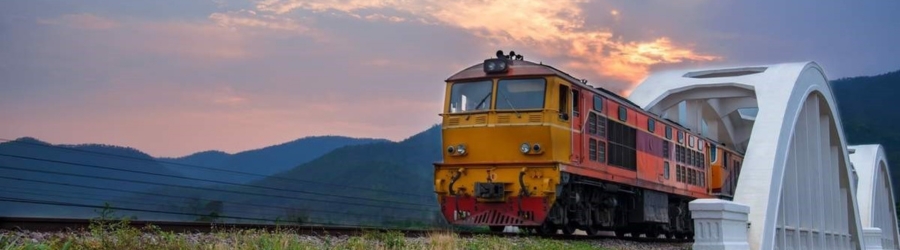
(869,114)
(264,161)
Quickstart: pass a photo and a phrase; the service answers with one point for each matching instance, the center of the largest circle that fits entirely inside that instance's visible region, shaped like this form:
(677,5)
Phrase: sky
(173,77)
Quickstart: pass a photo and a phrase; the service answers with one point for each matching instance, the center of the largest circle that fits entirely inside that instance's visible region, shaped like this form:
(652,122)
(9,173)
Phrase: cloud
(551,30)
(82,21)
(381,17)
(249,18)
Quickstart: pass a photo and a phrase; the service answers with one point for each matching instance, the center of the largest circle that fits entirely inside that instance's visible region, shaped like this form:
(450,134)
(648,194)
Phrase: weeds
(387,240)
(106,233)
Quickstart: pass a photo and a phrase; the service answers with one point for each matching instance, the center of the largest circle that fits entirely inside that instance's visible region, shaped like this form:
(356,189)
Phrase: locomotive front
(506,133)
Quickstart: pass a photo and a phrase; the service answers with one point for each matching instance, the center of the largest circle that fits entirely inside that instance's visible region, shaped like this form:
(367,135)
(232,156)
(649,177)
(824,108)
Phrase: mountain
(36,170)
(261,162)
(396,173)
(380,184)
(868,114)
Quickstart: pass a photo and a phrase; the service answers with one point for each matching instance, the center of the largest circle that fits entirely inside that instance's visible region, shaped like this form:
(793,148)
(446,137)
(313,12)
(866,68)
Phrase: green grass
(106,234)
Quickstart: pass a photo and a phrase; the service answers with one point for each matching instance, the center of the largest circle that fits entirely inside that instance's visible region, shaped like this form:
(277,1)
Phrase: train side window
(712,153)
(702,160)
(592,149)
(677,153)
(576,99)
(601,126)
(623,114)
(690,141)
(694,174)
(690,176)
(592,123)
(598,103)
(668,132)
(665,149)
(601,152)
(666,169)
(564,102)
(678,173)
(680,137)
(651,125)
(703,179)
(688,158)
(697,159)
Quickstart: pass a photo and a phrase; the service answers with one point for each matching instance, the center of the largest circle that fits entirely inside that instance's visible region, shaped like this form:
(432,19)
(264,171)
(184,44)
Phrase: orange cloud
(554,30)
(249,18)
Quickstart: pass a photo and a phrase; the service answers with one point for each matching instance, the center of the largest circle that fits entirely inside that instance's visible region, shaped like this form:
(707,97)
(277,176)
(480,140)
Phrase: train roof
(519,68)
(516,68)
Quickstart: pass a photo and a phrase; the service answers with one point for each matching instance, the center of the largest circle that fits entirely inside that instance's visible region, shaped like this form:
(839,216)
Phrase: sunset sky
(172,77)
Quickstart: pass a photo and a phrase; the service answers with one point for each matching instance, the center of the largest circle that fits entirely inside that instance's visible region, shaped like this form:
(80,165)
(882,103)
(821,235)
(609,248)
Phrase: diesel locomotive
(530,146)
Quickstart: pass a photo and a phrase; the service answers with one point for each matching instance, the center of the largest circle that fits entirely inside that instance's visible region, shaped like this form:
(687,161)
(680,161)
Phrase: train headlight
(525,148)
(450,150)
(496,65)
(461,149)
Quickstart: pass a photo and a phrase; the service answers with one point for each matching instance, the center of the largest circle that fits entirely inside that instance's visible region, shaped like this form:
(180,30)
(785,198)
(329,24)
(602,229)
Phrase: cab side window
(564,102)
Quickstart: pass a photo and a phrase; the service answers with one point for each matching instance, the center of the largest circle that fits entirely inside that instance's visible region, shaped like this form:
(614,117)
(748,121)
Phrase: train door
(577,125)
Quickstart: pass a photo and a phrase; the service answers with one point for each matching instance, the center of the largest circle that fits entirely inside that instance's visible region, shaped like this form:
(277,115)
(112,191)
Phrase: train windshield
(471,96)
(520,94)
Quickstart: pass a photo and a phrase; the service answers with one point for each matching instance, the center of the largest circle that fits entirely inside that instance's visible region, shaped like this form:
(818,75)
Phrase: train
(530,146)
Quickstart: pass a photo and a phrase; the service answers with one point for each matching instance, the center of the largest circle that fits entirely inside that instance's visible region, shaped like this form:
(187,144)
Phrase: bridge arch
(876,197)
(796,176)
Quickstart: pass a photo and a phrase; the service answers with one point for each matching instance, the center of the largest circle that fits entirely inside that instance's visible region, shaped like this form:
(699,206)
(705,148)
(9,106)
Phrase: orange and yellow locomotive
(530,146)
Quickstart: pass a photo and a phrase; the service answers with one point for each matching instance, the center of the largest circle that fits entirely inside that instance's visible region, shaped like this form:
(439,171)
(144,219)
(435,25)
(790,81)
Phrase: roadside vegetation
(121,236)
(110,232)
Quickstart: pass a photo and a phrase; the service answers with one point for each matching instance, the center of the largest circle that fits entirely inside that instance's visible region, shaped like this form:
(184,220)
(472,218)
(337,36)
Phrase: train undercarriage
(581,203)
(593,206)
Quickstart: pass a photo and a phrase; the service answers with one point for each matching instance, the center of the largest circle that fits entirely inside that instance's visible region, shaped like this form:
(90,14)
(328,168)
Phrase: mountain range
(261,162)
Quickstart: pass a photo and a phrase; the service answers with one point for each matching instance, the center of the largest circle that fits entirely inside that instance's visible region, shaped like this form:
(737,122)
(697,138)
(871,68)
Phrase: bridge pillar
(719,224)
(872,235)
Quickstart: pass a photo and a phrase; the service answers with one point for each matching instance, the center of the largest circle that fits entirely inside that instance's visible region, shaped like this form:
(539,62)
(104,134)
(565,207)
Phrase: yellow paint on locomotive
(492,141)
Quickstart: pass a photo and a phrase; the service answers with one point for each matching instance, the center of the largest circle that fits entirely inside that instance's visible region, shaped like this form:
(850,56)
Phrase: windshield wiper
(480,103)
(482,100)
(510,105)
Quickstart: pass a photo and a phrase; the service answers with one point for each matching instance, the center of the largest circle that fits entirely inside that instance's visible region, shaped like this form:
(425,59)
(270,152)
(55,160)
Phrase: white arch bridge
(801,186)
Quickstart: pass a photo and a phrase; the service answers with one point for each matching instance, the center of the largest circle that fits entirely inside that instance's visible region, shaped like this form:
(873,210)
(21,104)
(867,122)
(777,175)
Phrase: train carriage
(528,145)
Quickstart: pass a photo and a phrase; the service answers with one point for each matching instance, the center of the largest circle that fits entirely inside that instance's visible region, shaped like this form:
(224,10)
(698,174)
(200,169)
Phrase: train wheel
(546,229)
(592,231)
(652,234)
(497,229)
(568,229)
(670,235)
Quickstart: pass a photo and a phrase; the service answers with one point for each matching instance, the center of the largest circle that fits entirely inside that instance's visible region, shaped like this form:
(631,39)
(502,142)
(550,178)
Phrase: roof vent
(725,72)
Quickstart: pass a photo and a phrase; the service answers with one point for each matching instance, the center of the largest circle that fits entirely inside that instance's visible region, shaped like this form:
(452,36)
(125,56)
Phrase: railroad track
(61,225)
